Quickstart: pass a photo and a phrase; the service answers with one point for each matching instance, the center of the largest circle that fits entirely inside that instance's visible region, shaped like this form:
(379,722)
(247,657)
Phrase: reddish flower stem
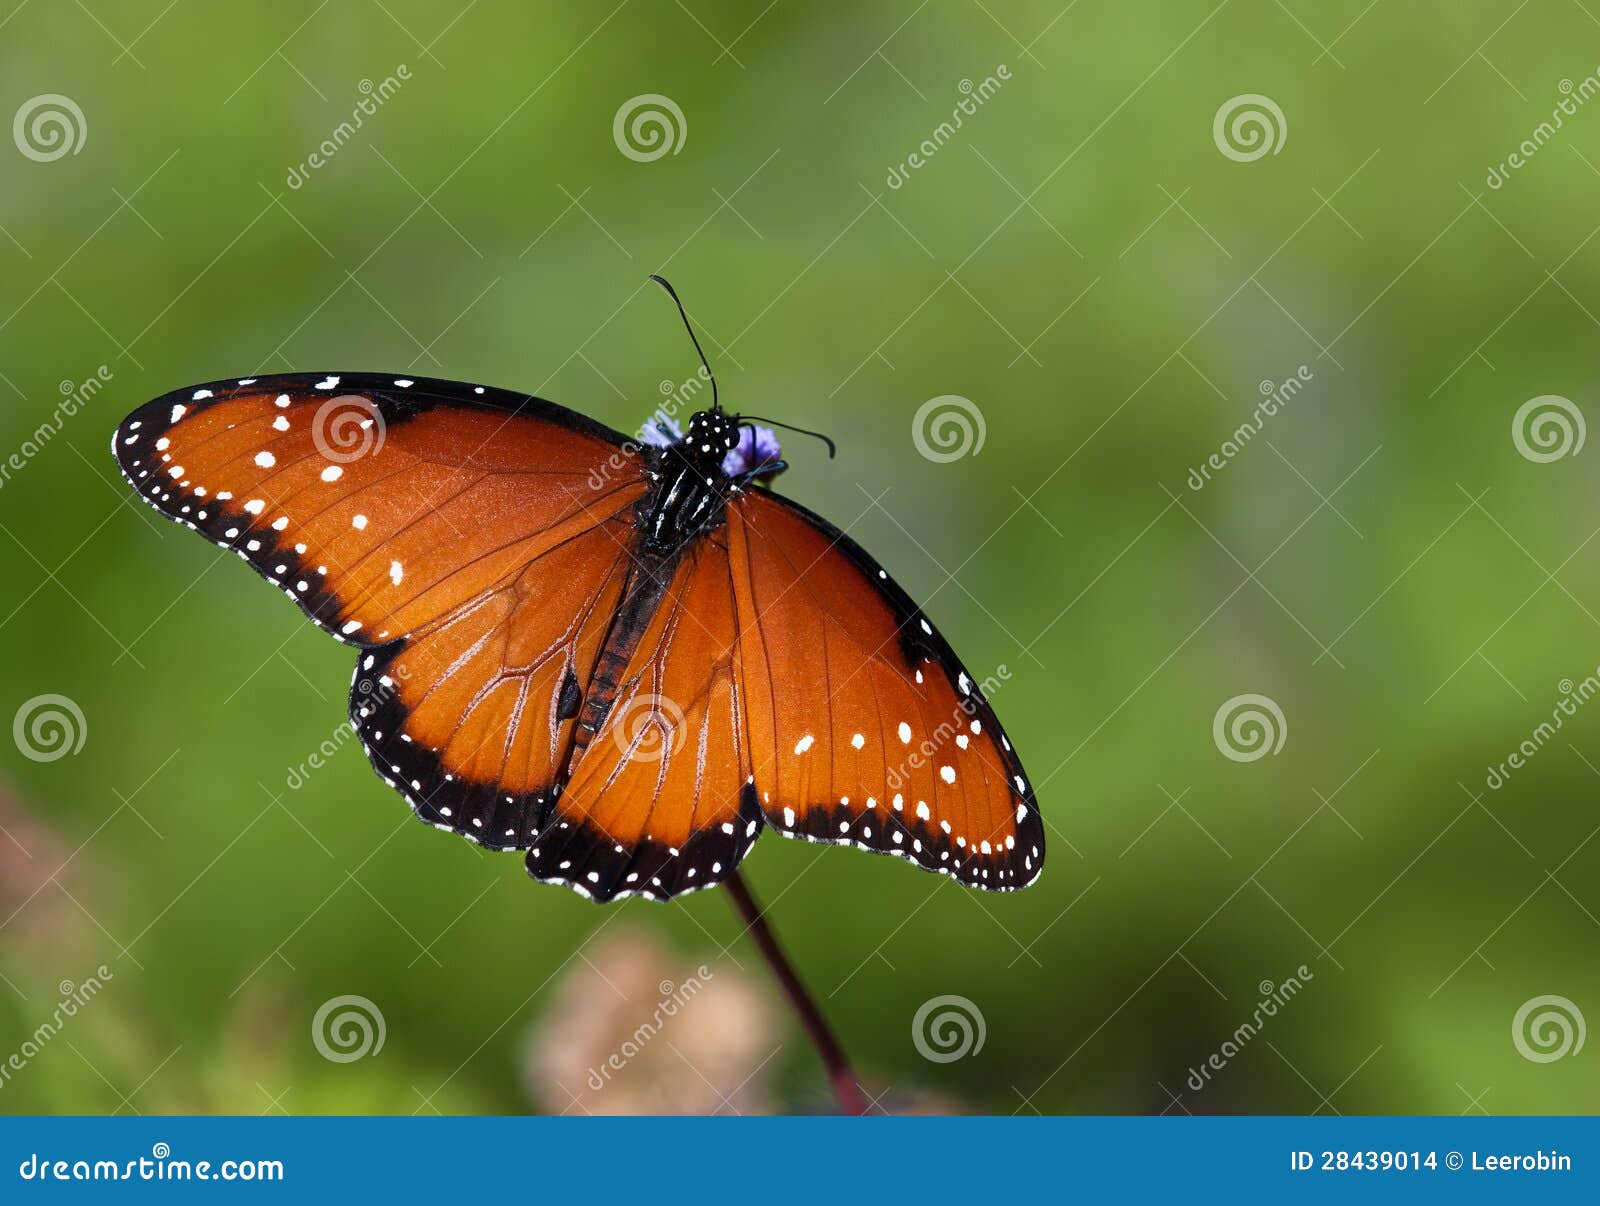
(840,1075)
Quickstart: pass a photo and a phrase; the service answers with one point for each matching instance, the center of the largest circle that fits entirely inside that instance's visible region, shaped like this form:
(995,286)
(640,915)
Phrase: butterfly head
(740,450)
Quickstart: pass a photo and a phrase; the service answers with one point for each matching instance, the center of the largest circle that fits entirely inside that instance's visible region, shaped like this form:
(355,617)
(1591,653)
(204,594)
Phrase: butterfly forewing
(467,537)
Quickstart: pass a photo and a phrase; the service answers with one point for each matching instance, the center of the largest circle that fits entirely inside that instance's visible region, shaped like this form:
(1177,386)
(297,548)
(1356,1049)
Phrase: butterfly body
(690,488)
(624,659)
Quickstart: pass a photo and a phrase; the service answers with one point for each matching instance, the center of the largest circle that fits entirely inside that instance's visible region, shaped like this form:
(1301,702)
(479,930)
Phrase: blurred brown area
(636,1029)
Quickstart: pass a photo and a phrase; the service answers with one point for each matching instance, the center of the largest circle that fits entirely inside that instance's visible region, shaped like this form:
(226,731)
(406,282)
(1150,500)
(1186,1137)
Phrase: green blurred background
(1083,262)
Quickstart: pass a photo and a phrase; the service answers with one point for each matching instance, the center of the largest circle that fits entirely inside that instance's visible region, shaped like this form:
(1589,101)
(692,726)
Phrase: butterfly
(626,657)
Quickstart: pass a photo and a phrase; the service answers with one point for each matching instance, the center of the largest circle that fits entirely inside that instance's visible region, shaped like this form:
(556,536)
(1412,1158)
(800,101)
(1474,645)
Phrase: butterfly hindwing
(660,801)
(868,730)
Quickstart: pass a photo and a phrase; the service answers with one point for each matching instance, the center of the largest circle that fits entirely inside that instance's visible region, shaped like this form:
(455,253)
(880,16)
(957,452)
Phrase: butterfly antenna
(682,313)
(816,435)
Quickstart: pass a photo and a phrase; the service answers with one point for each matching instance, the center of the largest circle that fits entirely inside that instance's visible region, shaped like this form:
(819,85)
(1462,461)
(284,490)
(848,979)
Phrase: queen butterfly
(625,657)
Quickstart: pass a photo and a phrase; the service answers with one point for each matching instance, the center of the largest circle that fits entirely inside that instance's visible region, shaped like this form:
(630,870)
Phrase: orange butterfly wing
(471,540)
(784,679)
(868,730)
(532,677)
(660,801)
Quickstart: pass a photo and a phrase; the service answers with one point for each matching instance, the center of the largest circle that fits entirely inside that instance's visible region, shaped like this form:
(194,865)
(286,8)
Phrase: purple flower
(757,446)
(660,430)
